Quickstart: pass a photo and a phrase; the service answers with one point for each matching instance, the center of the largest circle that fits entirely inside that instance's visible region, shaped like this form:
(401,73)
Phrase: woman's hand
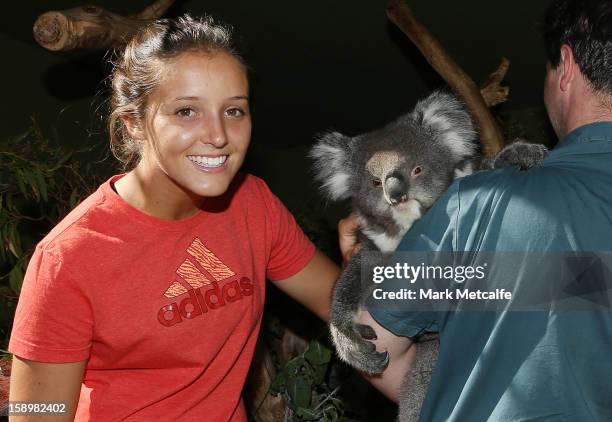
(347,237)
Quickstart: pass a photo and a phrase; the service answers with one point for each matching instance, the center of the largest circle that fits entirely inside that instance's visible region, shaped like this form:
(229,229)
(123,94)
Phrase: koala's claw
(366,331)
(376,364)
(358,352)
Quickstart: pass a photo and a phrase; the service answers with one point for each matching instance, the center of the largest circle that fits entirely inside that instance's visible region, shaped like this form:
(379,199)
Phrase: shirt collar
(598,131)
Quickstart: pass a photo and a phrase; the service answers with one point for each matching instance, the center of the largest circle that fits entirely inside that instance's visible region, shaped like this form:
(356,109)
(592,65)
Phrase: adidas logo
(204,292)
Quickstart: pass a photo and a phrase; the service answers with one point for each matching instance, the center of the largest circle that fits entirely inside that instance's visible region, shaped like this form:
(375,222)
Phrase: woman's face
(200,128)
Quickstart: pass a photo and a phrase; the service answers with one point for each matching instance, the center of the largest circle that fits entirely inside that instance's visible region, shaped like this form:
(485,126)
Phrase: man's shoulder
(506,181)
(500,196)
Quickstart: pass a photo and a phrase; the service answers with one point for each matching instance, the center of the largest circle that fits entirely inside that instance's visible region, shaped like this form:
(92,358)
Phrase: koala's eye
(417,170)
(376,182)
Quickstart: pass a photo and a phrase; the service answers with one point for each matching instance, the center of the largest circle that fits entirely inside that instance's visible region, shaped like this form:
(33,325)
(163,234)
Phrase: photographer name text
(447,294)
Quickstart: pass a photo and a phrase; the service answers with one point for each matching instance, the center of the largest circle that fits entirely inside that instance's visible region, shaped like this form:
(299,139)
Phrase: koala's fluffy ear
(450,122)
(332,164)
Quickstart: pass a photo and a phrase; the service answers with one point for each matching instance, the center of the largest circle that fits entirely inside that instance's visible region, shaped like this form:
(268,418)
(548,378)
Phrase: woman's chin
(212,189)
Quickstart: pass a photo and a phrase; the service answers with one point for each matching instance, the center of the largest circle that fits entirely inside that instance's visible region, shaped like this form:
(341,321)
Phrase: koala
(392,177)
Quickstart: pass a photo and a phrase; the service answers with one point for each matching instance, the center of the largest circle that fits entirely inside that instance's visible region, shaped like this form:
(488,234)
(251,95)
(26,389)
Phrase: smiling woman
(194,135)
(145,302)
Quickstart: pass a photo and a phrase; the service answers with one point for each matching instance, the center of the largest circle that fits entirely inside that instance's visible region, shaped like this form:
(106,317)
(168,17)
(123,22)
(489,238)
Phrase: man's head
(578,36)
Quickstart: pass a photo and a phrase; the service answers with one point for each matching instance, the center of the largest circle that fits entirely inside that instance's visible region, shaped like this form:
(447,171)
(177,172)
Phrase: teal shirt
(521,366)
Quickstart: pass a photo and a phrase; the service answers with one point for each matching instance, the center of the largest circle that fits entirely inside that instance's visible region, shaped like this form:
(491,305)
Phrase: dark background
(315,65)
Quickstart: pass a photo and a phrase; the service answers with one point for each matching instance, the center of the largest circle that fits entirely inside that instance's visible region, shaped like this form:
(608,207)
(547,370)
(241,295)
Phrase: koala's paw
(366,331)
(520,153)
(357,351)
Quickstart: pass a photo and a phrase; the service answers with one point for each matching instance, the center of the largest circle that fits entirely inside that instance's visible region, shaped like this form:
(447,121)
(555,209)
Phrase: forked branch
(492,90)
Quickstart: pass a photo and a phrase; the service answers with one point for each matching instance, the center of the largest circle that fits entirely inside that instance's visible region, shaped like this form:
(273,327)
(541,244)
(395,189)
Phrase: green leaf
(299,391)
(16,278)
(9,201)
(306,414)
(42,184)
(278,384)
(3,242)
(19,178)
(317,354)
(13,240)
(319,373)
(60,162)
(64,159)
(17,240)
(294,366)
(319,357)
(30,179)
(74,198)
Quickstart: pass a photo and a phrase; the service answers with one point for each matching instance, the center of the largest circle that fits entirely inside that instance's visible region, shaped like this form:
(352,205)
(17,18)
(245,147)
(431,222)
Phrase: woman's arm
(36,382)
(313,285)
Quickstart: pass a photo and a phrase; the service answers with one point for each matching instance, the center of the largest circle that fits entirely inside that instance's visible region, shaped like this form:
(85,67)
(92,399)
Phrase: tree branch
(490,134)
(154,11)
(492,91)
(92,26)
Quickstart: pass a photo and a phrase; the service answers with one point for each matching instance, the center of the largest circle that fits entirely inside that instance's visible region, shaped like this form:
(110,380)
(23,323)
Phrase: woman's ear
(133,126)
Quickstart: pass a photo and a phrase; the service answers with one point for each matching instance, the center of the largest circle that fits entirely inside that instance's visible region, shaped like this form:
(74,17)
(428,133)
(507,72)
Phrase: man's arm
(401,357)
(36,382)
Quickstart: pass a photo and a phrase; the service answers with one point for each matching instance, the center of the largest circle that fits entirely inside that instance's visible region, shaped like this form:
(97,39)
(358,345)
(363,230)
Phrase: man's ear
(133,126)
(568,67)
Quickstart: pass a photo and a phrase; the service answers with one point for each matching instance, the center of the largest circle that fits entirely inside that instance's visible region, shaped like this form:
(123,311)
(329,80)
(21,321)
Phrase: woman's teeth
(208,161)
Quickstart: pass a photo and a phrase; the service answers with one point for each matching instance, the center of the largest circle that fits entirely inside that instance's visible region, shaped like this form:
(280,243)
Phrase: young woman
(145,302)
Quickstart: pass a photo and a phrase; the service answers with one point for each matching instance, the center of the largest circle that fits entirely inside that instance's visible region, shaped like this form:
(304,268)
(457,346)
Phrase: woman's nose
(214,132)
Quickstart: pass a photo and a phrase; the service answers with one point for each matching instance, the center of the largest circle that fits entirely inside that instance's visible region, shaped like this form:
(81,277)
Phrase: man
(508,366)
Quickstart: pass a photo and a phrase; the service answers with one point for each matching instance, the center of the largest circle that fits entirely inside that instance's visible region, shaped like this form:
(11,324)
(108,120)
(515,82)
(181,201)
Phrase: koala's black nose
(396,190)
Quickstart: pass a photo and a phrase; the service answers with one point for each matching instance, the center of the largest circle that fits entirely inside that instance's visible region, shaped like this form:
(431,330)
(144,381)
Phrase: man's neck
(588,109)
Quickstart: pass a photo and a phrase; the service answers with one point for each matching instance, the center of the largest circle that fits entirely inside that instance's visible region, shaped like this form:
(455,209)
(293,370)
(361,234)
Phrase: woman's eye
(185,112)
(234,112)
(376,182)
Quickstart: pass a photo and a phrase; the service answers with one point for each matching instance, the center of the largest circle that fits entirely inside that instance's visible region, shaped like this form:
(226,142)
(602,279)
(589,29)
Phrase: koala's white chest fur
(404,216)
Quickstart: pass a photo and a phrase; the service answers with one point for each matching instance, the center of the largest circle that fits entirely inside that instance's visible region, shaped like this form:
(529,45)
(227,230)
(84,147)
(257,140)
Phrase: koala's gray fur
(392,176)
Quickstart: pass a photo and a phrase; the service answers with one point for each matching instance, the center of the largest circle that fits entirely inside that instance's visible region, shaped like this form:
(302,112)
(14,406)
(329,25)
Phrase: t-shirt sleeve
(435,231)
(53,321)
(290,248)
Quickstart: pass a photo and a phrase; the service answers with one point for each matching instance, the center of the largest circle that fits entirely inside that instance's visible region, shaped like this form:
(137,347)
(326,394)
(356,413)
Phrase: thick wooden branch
(492,91)
(490,134)
(91,26)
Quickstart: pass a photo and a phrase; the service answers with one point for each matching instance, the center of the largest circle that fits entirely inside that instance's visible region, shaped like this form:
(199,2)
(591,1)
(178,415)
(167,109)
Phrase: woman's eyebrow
(186,98)
(236,97)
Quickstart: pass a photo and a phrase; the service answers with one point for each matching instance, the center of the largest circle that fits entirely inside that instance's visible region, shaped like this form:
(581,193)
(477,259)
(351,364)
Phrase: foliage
(302,382)
(314,384)
(40,181)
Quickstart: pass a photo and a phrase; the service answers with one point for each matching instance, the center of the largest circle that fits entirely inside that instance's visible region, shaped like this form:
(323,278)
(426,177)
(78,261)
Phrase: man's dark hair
(586,26)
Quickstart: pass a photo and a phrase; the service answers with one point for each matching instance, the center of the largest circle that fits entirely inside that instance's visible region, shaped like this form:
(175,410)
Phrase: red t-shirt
(165,312)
